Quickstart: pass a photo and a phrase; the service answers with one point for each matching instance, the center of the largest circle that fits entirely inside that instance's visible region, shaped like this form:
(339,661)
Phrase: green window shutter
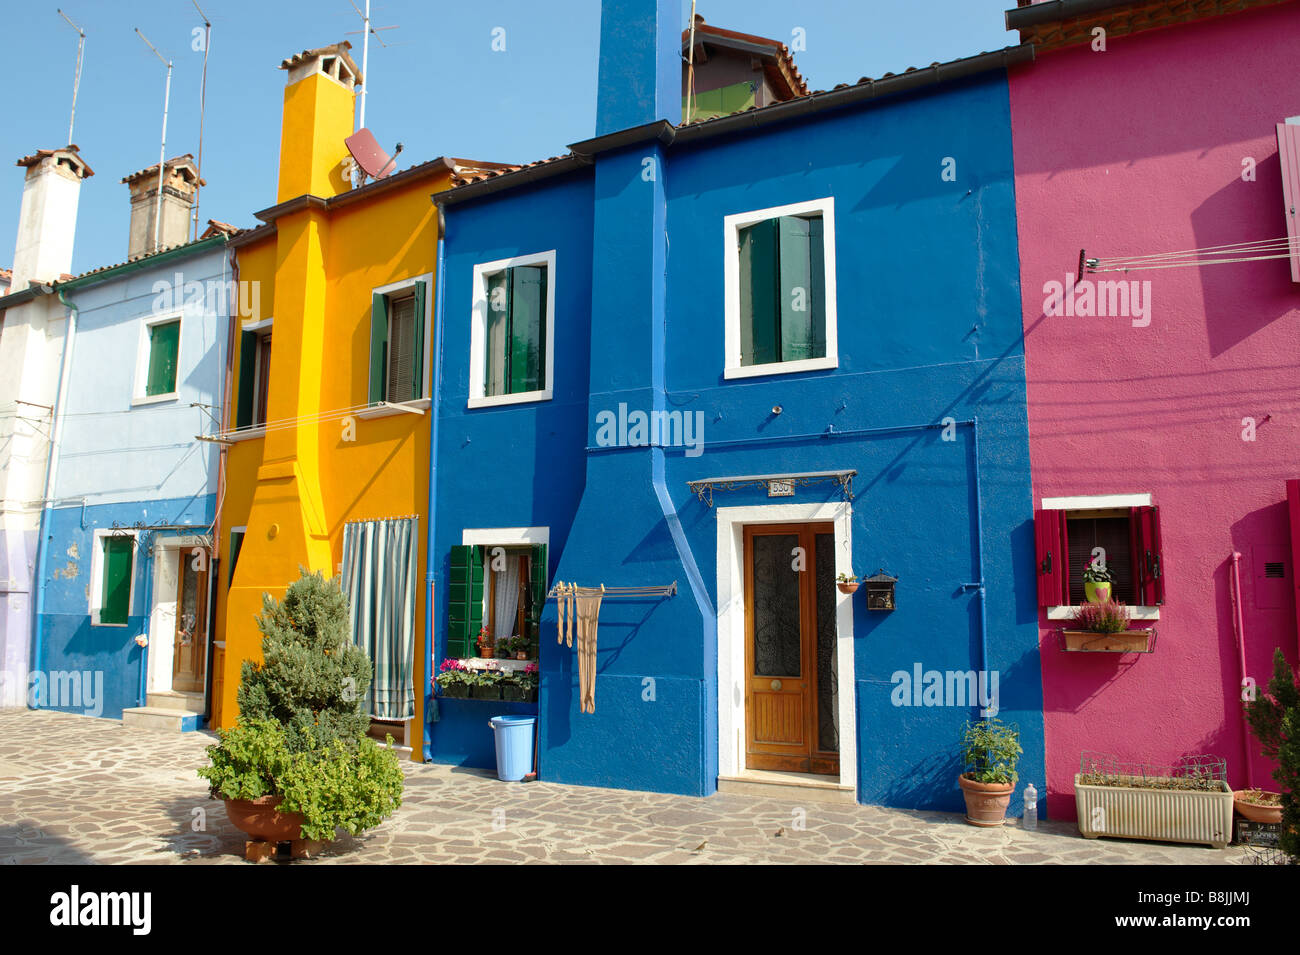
(817,274)
(247,372)
(417,376)
(378,347)
(164,345)
(537,579)
(798,289)
(759,287)
(527,328)
(496,378)
(464,600)
(115,595)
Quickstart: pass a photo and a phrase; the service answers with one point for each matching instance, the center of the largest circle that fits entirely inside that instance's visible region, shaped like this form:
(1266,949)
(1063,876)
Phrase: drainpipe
(51,469)
(435,388)
(1239,631)
(142,692)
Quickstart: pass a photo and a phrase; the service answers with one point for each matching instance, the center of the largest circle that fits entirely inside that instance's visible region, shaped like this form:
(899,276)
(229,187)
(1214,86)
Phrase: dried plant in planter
(1189,774)
(1107,617)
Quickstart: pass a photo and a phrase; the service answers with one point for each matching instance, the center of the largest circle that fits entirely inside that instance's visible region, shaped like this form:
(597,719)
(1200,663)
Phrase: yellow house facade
(327,410)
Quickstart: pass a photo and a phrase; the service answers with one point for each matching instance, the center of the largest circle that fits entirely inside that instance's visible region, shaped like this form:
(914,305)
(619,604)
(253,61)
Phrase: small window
(159,359)
(780,297)
(116,559)
(236,544)
(1120,533)
(254,375)
(262,376)
(498,588)
(512,336)
(397,321)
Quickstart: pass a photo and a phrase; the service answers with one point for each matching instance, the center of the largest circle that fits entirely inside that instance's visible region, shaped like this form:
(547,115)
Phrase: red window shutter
(1052,553)
(1288,154)
(1148,556)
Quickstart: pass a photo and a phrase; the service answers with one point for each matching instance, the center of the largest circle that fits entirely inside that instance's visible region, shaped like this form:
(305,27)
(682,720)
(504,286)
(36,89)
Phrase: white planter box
(1163,815)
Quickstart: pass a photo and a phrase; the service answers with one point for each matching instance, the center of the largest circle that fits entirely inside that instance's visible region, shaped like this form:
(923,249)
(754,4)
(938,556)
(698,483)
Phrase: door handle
(776,684)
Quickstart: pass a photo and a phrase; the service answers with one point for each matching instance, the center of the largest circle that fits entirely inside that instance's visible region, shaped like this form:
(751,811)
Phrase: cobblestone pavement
(79,790)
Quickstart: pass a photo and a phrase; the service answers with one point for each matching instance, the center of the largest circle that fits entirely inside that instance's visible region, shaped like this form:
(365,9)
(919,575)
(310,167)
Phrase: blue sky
(439,88)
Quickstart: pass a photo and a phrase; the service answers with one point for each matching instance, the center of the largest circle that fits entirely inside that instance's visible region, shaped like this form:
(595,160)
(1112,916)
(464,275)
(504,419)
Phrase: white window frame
(139,396)
(1098,502)
(731,226)
(478,332)
(387,290)
(96,595)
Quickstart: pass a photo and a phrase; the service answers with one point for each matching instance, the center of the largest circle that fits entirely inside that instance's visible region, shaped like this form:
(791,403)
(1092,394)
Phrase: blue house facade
(123,583)
(759,353)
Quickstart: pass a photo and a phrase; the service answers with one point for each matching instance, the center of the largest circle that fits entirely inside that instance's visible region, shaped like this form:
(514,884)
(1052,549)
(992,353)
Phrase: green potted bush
(990,751)
(1098,582)
(453,679)
(518,647)
(1274,718)
(298,764)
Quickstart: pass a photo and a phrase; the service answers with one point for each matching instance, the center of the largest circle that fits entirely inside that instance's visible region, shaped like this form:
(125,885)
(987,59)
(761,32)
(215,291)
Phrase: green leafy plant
(1095,572)
(1274,718)
(250,761)
(1105,617)
(990,751)
(847,578)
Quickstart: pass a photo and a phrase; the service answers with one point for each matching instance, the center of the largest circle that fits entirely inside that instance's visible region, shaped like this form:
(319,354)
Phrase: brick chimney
(179,183)
(319,111)
(47,220)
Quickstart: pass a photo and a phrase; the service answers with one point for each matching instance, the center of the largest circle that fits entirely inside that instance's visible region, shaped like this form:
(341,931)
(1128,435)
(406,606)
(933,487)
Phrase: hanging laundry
(588,613)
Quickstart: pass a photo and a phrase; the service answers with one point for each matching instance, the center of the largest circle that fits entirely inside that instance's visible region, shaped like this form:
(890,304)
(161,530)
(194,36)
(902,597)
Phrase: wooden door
(189,655)
(791,697)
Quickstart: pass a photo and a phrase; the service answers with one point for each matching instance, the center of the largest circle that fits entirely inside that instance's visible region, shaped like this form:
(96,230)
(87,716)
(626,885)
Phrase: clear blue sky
(439,88)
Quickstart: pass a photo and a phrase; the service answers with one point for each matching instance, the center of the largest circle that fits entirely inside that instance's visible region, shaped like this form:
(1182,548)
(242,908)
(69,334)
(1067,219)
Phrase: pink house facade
(1164,410)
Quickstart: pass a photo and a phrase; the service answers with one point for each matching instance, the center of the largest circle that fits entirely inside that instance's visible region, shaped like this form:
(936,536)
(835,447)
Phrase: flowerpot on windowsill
(1124,641)
(457,691)
(486,653)
(1097,593)
(521,655)
(847,587)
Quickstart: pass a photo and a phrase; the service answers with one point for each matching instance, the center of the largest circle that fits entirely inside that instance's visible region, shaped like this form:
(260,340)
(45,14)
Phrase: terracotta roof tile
(40,154)
(176,162)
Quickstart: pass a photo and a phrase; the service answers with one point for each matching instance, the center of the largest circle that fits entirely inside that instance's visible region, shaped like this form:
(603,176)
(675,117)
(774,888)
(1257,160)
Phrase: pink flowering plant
(452,672)
(1107,617)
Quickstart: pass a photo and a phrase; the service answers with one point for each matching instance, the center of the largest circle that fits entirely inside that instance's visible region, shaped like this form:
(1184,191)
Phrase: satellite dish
(369,155)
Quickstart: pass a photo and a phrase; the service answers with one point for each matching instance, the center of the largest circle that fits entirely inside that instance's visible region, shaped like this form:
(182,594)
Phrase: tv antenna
(76,79)
(366,31)
(162,150)
(203,99)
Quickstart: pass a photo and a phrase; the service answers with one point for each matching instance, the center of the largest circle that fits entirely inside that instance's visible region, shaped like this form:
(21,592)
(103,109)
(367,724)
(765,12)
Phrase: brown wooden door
(191,648)
(791,721)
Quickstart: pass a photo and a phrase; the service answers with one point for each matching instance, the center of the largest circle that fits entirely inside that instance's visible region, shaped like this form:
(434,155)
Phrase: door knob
(776,684)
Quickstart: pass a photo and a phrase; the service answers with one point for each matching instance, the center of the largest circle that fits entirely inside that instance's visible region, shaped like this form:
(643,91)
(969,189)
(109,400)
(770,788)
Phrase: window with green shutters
(163,345)
(397,344)
(515,357)
(464,600)
(117,561)
(780,298)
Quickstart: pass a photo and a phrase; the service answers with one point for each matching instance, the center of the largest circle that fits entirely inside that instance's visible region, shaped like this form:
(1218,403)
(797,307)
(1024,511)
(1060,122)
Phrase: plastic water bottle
(1030,819)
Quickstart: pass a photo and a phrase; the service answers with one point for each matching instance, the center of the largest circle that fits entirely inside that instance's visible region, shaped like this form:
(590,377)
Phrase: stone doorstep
(787,786)
(175,700)
(159,718)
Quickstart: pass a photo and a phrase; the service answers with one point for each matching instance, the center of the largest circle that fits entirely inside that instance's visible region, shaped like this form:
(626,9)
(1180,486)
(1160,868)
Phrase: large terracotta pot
(260,819)
(1255,812)
(986,803)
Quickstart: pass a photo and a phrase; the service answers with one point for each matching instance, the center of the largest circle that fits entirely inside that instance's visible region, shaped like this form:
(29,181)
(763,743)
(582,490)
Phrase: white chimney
(47,222)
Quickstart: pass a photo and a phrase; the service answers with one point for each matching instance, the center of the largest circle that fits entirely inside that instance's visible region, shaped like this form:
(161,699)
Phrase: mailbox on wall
(880,591)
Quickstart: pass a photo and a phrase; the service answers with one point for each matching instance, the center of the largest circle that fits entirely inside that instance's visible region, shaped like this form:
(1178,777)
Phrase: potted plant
(1258,805)
(486,648)
(519,647)
(485,685)
(1187,802)
(1274,718)
(298,765)
(990,751)
(1097,581)
(848,583)
(529,680)
(512,688)
(1104,628)
(453,679)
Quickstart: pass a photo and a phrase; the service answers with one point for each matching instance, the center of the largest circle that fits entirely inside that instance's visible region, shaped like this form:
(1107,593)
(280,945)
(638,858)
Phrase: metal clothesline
(656,590)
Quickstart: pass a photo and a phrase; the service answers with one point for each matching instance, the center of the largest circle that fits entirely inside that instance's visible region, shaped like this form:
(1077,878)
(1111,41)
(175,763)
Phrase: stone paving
(80,790)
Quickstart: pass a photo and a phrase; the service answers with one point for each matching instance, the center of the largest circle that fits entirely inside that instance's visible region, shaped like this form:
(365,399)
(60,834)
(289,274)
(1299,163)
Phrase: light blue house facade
(776,348)
(123,583)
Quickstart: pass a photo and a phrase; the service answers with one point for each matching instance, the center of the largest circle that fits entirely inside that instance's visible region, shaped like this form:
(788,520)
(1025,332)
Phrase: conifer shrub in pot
(990,752)
(1274,718)
(300,748)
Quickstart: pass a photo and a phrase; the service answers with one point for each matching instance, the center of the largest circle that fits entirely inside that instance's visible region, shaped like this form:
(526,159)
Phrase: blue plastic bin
(514,739)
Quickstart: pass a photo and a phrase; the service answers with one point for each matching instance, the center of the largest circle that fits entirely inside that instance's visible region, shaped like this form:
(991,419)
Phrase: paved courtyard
(79,790)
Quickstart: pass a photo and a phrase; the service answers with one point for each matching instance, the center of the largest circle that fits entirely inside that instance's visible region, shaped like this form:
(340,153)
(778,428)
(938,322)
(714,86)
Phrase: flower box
(1125,641)
(491,692)
(458,691)
(1161,815)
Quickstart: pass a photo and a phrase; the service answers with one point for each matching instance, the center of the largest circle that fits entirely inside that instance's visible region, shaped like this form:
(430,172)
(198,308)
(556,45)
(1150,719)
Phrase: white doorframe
(731,627)
(167,555)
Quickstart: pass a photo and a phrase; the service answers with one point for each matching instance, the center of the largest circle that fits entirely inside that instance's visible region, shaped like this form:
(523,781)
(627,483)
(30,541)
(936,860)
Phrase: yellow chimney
(319,100)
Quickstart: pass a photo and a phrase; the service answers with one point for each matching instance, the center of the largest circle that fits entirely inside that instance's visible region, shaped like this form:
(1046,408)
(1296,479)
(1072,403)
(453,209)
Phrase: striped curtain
(379,577)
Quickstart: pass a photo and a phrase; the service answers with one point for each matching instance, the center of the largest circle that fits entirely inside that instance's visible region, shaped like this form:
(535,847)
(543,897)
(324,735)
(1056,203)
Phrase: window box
(456,691)
(1162,815)
(1125,641)
(512,331)
(487,691)
(779,274)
